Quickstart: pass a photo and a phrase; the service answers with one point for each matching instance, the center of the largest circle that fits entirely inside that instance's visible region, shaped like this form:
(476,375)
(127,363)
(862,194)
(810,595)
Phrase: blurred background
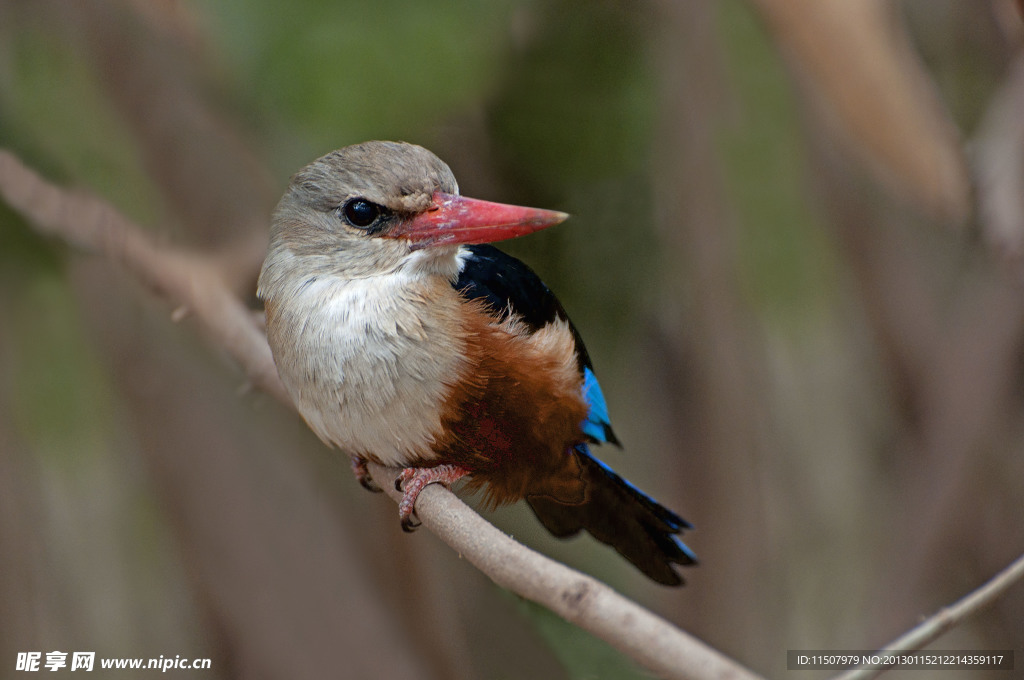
(795,252)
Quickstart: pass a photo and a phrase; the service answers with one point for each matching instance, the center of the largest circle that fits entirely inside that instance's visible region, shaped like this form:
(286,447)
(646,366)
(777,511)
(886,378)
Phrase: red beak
(455,219)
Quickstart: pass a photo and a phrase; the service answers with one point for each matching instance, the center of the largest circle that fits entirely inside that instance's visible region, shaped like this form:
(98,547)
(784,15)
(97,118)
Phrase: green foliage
(577,100)
(785,261)
(56,110)
(64,405)
(335,73)
(56,115)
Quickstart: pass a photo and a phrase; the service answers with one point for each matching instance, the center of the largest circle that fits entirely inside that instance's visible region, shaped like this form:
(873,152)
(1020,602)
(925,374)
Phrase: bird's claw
(411,481)
(363,476)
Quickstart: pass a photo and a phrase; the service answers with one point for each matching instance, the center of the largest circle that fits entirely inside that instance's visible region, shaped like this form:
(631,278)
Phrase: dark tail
(617,513)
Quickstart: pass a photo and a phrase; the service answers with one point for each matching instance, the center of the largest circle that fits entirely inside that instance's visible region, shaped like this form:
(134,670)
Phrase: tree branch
(192,282)
(580,599)
(946,618)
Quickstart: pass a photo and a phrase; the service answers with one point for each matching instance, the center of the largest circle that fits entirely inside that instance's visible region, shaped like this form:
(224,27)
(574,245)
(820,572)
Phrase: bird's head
(378,207)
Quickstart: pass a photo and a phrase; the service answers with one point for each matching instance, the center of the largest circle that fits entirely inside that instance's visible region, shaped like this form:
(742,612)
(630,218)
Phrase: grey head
(334,209)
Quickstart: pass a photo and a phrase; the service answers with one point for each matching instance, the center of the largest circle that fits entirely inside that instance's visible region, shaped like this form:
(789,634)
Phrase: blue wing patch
(598,425)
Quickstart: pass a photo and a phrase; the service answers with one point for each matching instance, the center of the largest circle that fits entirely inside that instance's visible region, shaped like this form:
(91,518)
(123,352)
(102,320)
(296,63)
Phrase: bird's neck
(289,268)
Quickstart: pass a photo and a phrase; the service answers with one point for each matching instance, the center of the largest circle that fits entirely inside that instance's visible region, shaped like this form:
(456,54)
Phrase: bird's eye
(361,213)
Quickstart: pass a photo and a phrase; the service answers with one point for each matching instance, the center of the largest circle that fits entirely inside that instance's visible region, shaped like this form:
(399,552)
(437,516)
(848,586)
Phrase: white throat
(370,361)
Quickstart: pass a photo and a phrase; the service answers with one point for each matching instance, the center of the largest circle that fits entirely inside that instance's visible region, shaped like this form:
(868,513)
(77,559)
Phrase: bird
(404,338)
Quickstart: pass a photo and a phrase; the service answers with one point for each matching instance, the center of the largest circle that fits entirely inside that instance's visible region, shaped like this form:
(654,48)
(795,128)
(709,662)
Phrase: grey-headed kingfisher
(404,339)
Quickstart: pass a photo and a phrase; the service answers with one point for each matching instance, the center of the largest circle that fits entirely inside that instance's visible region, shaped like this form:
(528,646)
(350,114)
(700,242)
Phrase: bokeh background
(794,252)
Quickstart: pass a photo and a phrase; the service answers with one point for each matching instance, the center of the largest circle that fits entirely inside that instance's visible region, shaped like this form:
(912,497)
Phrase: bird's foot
(362,473)
(411,481)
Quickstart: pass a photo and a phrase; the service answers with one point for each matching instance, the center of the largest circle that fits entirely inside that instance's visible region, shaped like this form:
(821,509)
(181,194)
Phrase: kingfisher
(405,339)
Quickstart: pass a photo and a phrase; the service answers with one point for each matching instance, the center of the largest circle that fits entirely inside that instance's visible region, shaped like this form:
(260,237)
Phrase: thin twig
(649,640)
(190,283)
(192,286)
(945,619)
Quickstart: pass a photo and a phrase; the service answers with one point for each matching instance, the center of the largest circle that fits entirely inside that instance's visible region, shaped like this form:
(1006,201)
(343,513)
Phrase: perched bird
(405,340)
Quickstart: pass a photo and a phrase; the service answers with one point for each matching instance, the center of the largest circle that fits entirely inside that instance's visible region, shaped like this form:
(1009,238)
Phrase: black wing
(510,287)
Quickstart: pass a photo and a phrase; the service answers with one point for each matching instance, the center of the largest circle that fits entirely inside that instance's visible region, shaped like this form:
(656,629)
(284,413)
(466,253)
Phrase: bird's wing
(509,287)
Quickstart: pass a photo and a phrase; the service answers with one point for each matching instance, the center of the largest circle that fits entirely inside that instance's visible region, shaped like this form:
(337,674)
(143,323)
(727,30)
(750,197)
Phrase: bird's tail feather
(617,513)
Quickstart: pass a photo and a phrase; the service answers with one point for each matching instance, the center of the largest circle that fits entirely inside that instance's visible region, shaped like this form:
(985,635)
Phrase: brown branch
(189,282)
(580,599)
(858,68)
(192,282)
(1000,174)
(946,618)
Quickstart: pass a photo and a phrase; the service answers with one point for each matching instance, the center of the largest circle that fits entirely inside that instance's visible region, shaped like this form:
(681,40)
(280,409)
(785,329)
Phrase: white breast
(369,362)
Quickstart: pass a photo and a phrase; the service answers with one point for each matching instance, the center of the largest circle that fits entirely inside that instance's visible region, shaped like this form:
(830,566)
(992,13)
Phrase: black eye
(361,213)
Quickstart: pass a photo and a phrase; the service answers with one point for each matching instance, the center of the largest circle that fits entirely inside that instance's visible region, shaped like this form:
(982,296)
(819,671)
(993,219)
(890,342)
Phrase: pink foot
(411,481)
(362,473)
